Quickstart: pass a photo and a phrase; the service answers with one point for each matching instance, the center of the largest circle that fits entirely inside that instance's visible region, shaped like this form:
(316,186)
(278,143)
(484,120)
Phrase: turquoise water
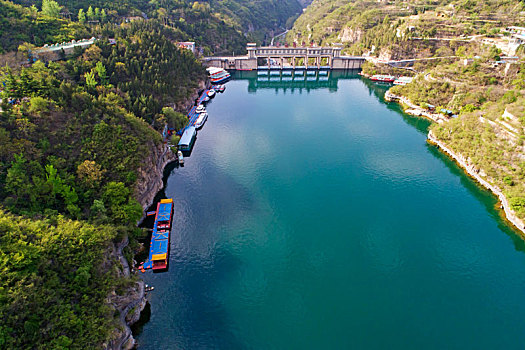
(316,216)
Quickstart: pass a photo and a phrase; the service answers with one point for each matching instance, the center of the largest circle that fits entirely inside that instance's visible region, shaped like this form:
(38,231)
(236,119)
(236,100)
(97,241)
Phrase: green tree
(97,13)
(115,194)
(90,173)
(17,181)
(162,15)
(81,16)
(91,82)
(90,14)
(101,72)
(103,15)
(51,8)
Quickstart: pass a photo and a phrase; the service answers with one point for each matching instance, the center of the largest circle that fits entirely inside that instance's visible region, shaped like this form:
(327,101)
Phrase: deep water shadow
(145,315)
(483,196)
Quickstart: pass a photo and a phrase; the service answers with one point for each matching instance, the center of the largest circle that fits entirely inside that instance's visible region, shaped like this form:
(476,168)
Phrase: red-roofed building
(189,45)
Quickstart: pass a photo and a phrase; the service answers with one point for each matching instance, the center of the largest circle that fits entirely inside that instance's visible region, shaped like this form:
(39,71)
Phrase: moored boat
(218,75)
(180,157)
(160,238)
(383,78)
(211,93)
(221,88)
(201,119)
(200,109)
(187,139)
(403,80)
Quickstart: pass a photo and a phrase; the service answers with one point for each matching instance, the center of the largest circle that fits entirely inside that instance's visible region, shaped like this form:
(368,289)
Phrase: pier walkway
(192,114)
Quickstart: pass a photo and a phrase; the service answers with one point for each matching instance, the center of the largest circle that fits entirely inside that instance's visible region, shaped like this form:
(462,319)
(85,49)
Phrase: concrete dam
(279,57)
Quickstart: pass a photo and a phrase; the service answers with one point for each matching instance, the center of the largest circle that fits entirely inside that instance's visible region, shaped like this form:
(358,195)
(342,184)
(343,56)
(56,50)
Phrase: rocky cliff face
(186,105)
(129,307)
(149,183)
(150,174)
(149,179)
(132,302)
(350,35)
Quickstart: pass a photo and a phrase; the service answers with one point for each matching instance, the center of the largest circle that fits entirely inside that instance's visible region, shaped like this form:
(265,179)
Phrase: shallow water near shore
(313,215)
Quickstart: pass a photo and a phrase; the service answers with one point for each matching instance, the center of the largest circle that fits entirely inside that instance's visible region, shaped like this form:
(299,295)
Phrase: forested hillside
(22,24)
(398,25)
(54,283)
(472,77)
(75,134)
(202,21)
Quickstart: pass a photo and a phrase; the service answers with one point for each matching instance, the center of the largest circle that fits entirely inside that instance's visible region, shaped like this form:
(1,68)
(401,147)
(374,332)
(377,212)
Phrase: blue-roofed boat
(187,139)
(160,237)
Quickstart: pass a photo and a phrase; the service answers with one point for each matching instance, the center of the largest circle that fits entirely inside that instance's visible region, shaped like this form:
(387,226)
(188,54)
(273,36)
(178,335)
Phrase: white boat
(403,80)
(200,109)
(206,99)
(211,93)
(201,119)
(181,157)
(218,75)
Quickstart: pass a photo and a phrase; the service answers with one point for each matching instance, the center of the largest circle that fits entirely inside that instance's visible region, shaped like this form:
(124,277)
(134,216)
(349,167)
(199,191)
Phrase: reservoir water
(313,215)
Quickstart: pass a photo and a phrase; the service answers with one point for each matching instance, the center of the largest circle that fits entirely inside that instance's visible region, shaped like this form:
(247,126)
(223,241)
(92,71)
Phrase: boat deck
(160,237)
(192,114)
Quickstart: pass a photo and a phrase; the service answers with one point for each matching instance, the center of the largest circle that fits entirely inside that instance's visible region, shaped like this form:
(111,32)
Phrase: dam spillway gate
(282,57)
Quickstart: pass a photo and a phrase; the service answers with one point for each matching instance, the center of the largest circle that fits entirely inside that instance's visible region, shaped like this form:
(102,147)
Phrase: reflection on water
(312,215)
(294,79)
(484,196)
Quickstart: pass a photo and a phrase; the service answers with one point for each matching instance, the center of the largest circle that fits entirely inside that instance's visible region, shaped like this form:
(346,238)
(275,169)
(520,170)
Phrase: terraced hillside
(398,26)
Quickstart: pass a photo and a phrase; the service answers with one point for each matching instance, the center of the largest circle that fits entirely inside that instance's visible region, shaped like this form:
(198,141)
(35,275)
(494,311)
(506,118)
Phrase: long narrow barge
(160,237)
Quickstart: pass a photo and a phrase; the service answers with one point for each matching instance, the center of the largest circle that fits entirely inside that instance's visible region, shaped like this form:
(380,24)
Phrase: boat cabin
(187,139)
(160,261)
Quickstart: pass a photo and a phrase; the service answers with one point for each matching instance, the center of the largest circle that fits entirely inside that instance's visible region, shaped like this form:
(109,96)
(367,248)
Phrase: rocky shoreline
(129,306)
(150,181)
(462,161)
(150,175)
(474,173)
(435,117)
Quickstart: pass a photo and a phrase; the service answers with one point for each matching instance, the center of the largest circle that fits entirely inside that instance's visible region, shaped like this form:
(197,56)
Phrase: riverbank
(462,161)
(474,173)
(150,181)
(418,111)
(256,217)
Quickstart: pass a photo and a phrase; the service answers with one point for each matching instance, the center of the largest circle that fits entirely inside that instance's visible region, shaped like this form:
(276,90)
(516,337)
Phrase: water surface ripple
(315,216)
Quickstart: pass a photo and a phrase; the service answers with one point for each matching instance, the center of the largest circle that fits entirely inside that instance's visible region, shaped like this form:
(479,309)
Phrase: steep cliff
(149,175)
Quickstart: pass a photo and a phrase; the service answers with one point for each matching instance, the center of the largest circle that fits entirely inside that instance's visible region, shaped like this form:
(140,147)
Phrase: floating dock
(160,237)
(192,114)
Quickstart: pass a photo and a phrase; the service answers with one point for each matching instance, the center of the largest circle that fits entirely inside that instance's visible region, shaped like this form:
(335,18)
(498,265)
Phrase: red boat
(383,78)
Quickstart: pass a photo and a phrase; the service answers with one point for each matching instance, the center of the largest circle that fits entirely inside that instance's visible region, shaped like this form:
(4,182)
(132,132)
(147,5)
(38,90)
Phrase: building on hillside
(188,45)
(516,30)
(133,18)
(58,51)
(514,42)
